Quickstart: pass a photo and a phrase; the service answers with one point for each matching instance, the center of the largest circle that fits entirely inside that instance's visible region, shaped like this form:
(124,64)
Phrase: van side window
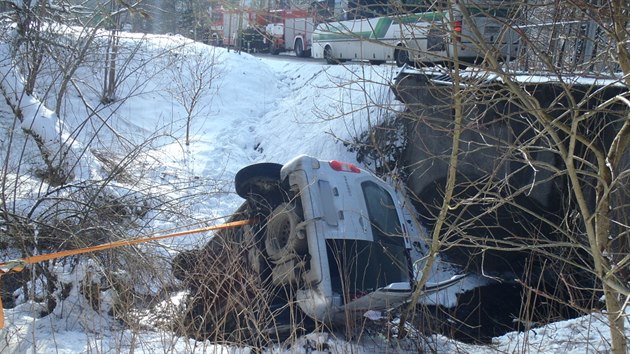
(384,218)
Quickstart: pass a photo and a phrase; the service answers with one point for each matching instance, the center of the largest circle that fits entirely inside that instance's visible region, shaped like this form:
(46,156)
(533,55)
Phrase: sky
(252,109)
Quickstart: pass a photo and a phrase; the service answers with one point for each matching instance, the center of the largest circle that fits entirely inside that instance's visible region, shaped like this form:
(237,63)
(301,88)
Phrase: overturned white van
(350,224)
(330,238)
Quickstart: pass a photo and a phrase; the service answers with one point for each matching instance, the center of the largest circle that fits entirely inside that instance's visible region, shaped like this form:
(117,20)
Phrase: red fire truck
(275,31)
(290,30)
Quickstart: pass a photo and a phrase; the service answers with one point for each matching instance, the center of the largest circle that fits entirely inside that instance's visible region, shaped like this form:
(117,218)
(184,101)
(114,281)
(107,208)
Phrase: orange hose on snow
(18,265)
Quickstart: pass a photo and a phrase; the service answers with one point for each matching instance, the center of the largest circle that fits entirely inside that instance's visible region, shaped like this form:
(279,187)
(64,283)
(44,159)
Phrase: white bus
(427,37)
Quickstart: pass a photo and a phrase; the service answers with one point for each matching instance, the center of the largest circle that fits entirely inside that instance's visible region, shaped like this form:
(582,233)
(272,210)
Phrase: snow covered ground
(253,109)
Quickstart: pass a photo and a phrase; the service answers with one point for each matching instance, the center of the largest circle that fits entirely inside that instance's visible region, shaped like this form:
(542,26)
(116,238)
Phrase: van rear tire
(259,179)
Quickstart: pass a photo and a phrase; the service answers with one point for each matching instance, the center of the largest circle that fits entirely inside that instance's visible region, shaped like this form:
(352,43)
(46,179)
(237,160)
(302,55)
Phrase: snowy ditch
(257,110)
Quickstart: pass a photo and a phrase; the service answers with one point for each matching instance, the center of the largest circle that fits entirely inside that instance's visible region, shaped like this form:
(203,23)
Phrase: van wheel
(282,238)
(402,56)
(299,48)
(261,179)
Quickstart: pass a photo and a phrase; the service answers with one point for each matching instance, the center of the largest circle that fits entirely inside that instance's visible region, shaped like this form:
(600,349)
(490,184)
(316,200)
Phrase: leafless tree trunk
(109,77)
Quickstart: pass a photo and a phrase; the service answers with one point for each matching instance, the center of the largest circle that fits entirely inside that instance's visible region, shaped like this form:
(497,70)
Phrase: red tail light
(343,166)
(457,28)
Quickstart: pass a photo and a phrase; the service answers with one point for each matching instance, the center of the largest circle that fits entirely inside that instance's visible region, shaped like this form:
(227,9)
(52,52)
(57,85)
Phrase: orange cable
(18,264)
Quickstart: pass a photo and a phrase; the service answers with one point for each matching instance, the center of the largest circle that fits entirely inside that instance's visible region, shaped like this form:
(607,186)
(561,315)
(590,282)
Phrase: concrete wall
(486,138)
(493,123)
(504,154)
(495,239)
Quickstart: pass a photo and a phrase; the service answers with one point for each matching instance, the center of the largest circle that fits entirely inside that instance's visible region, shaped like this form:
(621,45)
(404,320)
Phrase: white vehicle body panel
(335,211)
(427,37)
(232,24)
(295,28)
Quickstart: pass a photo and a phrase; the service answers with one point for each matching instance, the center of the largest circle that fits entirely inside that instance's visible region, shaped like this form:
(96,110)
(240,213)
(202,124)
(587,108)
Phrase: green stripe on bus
(426,17)
(339,36)
(381,28)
